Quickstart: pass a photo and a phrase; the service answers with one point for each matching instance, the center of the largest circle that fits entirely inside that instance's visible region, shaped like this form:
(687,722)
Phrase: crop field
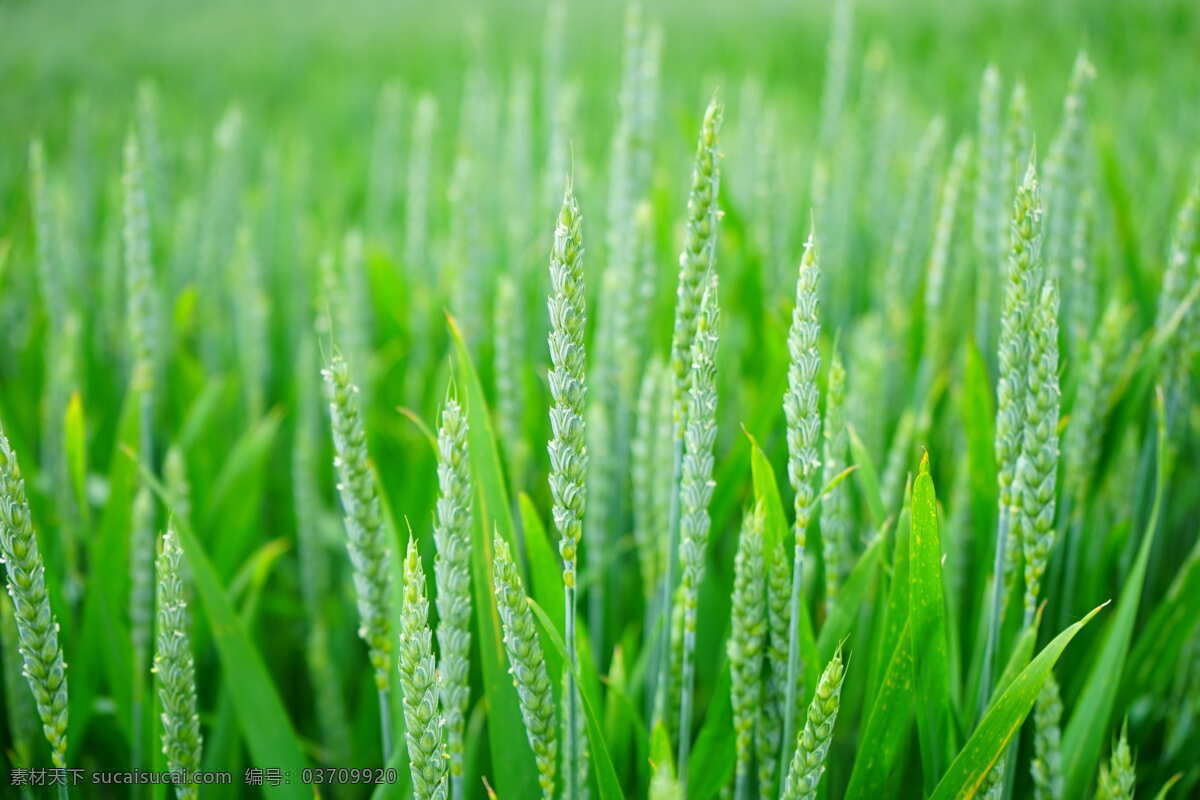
(683,400)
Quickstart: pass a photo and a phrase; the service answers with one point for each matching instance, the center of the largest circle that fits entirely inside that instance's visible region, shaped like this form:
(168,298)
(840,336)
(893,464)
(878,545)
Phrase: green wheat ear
(452,535)
(37,628)
(812,747)
(746,643)
(419,683)
(365,538)
(527,665)
(174,668)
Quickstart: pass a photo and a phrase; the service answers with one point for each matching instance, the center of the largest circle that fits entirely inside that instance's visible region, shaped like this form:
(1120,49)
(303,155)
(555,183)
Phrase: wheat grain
(365,537)
(527,665)
(696,493)
(835,513)
(452,535)
(1117,777)
(812,747)
(800,405)
(174,669)
(37,628)
(419,684)
(1046,766)
(748,631)
(1034,481)
(567,447)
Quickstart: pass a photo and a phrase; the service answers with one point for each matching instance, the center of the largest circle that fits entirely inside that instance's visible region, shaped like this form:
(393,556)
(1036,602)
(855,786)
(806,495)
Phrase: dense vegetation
(823,376)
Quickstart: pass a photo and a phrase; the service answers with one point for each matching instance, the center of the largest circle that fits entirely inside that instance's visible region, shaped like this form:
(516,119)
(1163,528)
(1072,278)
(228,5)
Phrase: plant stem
(793,666)
(385,725)
(685,708)
(989,653)
(663,690)
(571,779)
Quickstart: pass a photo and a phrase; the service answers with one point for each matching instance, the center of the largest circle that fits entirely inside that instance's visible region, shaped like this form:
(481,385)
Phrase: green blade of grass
(927,606)
(868,479)
(1002,721)
(712,762)
(888,725)
(1083,738)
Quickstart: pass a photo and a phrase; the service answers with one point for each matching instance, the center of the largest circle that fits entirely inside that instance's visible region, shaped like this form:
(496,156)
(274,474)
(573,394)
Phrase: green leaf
(75,443)
(1002,721)
(663,783)
(927,608)
(1156,656)
(849,602)
(513,768)
(868,478)
(888,726)
(713,757)
(978,417)
(1084,736)
(606,775)
(234,500)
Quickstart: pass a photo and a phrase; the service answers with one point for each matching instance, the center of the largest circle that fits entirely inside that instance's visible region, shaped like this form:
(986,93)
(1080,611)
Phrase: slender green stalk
(1021,282)
(419,683)
(800,406)
(837,67)
(567,447)
(141,607)
(835,516)
(416,210)
(528,665)
(366,540)
(938,342)
(696,494)
(174,668)
(452,571)
(747,637)
(988,212)
(37,628)
(811,748)
(695,262)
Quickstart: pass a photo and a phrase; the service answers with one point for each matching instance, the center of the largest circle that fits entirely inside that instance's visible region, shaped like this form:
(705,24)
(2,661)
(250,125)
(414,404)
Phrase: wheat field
(640,399)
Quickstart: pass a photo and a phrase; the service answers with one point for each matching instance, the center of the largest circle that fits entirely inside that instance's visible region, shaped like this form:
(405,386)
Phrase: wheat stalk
(812,747)
(835,514)
(747,637)
(174,668)
(527,665)
(452,535)
(1034,481)
(37,628)
(695,262)
(988,212)
(366,540)
(1046,766)
(419,684)
(800,406)
(1117,777)
(1021,279)
(696,493)
(567,448)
